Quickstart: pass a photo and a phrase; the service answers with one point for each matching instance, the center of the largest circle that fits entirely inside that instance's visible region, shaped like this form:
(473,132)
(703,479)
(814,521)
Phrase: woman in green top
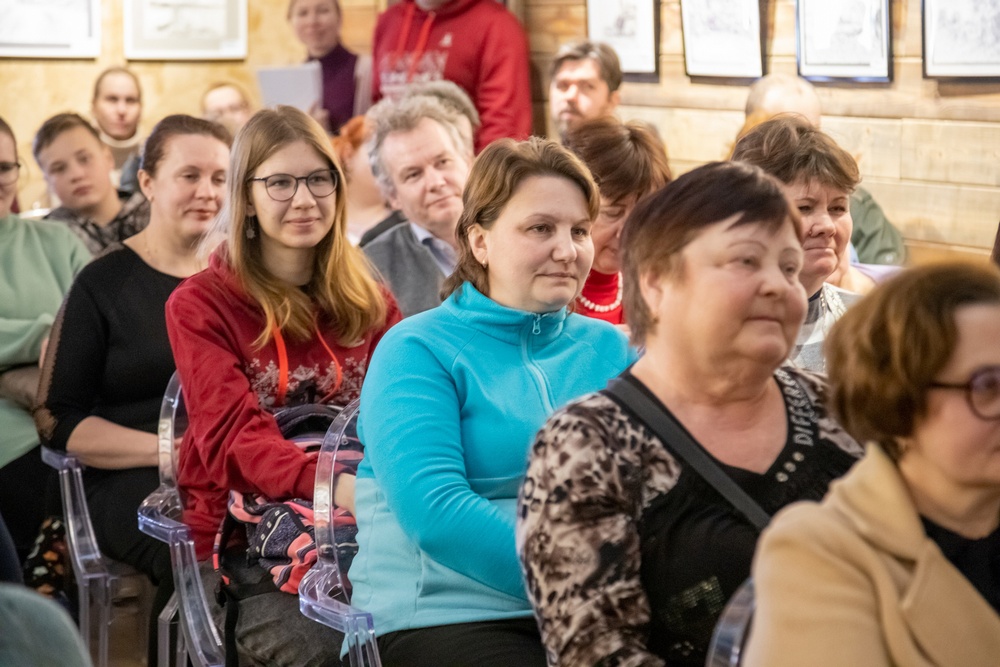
(39,261)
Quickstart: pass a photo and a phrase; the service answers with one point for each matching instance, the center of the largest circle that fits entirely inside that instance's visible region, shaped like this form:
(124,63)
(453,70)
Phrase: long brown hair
(341,286)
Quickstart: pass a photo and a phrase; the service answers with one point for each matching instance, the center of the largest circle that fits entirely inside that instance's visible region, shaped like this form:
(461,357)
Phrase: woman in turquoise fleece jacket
(451,403)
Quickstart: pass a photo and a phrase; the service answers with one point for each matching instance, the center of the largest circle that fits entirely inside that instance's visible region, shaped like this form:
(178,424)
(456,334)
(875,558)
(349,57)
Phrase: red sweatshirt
(232,441)
(478,44)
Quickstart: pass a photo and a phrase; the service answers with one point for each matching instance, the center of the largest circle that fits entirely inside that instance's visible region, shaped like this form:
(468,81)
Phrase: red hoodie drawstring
(279,343)
(404,34)
(425,31)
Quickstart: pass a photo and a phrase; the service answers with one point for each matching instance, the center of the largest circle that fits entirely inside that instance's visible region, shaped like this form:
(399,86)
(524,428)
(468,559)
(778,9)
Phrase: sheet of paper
(300,86)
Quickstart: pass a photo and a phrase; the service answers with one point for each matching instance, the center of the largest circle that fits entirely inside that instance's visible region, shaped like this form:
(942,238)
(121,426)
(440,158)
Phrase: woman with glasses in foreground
(286,314)
(900,564)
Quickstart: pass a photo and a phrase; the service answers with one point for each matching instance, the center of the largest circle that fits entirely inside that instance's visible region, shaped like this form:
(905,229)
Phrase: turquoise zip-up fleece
(450,405)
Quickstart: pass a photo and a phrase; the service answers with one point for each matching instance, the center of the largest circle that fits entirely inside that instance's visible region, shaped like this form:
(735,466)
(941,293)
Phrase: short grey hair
(450,94)
(766,85)
(388,116)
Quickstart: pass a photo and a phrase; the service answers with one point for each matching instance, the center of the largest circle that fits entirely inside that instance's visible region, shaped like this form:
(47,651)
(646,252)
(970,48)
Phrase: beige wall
(927,149)
(34,89)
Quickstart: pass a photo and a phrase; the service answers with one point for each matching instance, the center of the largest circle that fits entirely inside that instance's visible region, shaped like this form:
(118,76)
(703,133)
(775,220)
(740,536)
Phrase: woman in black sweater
(109,358)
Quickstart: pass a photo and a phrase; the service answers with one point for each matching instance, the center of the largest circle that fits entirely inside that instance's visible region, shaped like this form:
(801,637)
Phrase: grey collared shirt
(442,252)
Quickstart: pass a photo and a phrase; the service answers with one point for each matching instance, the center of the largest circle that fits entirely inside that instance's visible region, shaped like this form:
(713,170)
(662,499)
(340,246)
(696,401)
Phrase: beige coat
(855,581)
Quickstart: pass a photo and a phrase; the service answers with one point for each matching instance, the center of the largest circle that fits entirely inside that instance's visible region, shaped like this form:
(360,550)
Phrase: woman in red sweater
(287,313)
(628,161)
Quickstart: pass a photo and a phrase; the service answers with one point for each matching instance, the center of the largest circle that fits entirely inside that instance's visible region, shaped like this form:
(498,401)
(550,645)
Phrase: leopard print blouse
(591,513)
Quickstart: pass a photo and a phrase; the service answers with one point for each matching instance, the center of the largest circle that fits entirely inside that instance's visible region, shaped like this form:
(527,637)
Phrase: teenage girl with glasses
(287,313)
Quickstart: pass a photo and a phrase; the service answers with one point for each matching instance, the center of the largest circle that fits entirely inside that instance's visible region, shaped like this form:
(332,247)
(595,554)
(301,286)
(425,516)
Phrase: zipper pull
(536,327)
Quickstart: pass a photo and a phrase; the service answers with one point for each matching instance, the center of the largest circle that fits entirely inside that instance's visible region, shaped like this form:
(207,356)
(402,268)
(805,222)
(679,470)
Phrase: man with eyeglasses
(77,168)
(421,162)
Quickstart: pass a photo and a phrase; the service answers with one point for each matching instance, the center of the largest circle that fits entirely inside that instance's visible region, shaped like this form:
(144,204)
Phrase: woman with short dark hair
(900,563)
(629,551)
(628,161)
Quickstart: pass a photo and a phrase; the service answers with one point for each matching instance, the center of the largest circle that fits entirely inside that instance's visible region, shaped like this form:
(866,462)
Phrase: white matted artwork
(722,38)
(50,28)
(185,29)
(629,27)
(962,38)
(848,39)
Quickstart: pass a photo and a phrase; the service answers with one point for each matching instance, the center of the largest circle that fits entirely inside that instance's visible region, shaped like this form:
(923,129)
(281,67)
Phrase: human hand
(343,491)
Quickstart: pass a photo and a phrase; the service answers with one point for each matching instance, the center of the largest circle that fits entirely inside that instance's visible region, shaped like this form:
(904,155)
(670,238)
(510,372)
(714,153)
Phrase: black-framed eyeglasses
(9,172)
(282,187)
(982,392)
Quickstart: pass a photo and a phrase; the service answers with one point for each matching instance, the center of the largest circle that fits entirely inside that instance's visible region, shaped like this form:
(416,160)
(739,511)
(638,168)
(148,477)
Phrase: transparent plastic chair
(159,517)
(97,577)
(322,596)
(733,628)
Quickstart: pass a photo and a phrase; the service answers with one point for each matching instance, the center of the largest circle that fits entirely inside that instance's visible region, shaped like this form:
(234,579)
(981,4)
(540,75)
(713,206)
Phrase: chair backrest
(160,518)
(173,425)
(342,433)
(733,628)
(322,594)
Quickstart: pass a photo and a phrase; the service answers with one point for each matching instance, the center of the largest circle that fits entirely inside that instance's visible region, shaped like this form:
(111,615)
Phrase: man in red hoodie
(478,44)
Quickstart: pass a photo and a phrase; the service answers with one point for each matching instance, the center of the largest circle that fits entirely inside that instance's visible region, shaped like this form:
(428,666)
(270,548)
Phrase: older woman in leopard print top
(629,554)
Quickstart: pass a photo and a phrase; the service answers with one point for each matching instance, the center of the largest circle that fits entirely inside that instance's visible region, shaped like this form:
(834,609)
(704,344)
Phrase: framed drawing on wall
(185,29)
(850,39)
(722,38)
(961,38)
(50,29)
(630,28)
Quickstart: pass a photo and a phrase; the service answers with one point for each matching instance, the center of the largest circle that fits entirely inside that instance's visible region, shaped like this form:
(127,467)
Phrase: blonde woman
(287,313)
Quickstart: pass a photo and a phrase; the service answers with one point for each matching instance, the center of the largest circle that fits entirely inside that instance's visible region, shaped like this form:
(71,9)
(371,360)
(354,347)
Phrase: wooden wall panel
(35,89)
(874,143)
(929,150)
(926,147)
(951,152)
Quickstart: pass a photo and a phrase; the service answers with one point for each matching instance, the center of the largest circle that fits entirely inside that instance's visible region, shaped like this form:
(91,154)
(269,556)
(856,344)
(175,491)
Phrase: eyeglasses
(982,392)
(282,187)
(9,172)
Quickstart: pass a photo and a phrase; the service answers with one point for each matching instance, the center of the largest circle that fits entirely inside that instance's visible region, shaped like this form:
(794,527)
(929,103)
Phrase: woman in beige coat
(900,564)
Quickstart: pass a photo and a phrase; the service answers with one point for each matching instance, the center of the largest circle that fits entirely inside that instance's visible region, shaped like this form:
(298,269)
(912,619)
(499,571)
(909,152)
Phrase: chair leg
(165,625)
(182,652)
(104,618)
(83,614)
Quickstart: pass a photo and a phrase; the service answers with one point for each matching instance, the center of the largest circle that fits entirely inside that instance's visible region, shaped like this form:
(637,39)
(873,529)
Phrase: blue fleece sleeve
(410,426)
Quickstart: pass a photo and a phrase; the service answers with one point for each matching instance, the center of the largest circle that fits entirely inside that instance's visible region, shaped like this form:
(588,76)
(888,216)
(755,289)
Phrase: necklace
(598,308)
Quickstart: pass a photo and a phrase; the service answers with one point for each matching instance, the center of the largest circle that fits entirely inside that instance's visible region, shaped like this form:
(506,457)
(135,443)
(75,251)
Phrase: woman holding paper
(346,76)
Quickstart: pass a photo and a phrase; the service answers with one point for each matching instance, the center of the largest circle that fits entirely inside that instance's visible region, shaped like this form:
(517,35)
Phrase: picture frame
(961,39)
(631,28)
(722,38)
(185,29)
(50,29)
(849,40)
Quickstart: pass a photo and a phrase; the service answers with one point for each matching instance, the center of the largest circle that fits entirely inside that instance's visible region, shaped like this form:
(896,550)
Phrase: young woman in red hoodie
(287,313)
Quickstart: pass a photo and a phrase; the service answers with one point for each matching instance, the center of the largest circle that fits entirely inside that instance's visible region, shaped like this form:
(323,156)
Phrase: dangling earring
(250,229)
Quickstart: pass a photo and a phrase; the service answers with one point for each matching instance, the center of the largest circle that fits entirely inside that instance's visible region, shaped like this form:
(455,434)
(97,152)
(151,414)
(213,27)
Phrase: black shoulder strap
(675,436)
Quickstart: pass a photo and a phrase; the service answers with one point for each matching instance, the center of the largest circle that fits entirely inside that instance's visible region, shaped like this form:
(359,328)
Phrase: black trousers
(29,492)
(114,498)
(508,643)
